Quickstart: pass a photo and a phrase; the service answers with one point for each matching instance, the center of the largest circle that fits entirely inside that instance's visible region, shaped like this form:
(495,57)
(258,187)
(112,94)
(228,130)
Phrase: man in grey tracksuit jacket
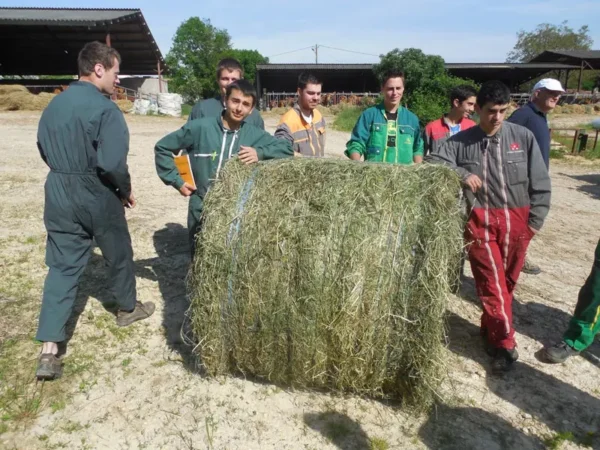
(508,191)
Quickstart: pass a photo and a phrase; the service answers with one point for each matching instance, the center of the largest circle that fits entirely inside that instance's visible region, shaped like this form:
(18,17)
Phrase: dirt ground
(137,387)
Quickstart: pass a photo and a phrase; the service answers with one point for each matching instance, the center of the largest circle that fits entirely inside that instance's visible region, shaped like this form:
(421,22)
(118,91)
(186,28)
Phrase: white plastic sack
(170,104)
(141,106)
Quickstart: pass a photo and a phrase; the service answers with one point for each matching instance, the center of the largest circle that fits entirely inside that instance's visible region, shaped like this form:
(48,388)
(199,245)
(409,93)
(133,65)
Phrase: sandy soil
(139,389)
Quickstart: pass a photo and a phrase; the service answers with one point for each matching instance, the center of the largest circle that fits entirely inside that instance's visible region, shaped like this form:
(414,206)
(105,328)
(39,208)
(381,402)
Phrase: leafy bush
(346,117)
(427,83)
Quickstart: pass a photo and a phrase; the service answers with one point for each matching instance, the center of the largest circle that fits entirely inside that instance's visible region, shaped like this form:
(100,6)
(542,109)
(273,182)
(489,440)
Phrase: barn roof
(46,41)
(283,77)
(589,58)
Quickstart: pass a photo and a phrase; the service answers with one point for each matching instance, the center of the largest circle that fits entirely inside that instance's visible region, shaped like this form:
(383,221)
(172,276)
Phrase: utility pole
(316,50)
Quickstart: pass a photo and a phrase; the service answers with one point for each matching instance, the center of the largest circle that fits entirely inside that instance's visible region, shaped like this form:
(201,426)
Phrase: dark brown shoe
(142,311)
(49,367)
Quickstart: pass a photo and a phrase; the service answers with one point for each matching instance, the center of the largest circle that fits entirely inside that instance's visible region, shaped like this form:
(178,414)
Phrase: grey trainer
(142,311)
(559,353)
(49,367)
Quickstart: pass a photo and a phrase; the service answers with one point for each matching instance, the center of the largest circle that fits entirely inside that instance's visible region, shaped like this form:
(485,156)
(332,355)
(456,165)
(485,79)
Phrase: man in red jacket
(462,105)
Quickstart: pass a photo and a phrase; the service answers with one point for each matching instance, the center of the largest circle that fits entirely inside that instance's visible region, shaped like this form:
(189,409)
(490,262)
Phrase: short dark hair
(244,86)
(393,73)
(461,93)
(94,53)
(230,64)
(306,78)
(495,92)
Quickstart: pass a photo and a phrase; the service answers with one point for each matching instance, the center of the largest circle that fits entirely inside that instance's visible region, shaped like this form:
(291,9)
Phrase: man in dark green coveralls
(83,138)
(229,71)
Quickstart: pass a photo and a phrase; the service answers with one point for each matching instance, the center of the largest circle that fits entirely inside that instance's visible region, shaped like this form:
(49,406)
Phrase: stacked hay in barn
(15,97)
(328,274)
(126,106)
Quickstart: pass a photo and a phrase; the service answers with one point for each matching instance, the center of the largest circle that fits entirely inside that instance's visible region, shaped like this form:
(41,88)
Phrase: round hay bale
(328,274)
(8,88)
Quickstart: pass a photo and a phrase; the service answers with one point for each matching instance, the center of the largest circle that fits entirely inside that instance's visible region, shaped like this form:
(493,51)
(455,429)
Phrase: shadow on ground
(466,428)
(339,429)
(591,186)
(169,269)
(561,406)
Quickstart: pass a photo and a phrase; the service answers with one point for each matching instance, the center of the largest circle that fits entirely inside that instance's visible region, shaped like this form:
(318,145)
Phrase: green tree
(549,37)
(427,82)
(197,48)
(248,59)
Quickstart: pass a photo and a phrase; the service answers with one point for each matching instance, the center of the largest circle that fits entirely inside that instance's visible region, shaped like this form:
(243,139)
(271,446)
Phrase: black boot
(504,360)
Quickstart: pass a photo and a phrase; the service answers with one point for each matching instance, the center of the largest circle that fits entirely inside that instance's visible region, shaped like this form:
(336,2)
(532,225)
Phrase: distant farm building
(46,41)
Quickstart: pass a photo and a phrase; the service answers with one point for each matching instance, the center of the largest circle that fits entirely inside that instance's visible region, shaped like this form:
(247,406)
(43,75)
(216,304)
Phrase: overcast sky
(459,31)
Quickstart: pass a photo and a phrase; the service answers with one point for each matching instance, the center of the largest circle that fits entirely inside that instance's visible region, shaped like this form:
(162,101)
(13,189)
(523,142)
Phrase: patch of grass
(71,427)
(3,428)
(58,405)
(107,322)
(346,118)
(186,110)
(554,442)
(557,154)
(126,362)
(160,363)
(378,444)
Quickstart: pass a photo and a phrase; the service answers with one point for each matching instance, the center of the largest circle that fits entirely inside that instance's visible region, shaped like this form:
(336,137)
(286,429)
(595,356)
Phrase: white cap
(548,83)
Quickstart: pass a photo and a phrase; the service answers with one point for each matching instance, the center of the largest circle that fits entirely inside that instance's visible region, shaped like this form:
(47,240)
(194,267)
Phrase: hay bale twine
(328,274)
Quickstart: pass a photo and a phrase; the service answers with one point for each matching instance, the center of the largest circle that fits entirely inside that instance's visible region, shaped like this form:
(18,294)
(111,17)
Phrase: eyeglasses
(552,93)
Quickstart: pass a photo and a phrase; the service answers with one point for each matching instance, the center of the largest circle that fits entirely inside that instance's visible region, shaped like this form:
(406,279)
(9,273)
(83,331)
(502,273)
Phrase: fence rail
(272,100)
(121,93)
(565,99)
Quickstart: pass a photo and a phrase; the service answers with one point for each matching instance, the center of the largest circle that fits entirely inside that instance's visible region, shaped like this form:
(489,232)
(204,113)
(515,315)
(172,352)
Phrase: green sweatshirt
(377,139)
(209,145)
(213,107)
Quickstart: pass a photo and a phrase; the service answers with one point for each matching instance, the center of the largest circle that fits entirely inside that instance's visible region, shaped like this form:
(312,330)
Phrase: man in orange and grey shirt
(462,105)
(303,125)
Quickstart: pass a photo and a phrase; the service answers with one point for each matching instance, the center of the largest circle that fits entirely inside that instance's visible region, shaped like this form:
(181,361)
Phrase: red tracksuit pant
(497,244)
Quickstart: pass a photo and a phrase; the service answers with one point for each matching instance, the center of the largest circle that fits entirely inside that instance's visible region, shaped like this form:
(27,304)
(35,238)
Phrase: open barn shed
(46,41)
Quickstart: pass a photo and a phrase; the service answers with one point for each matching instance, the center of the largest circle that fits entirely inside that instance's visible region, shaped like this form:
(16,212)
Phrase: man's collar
(536,109)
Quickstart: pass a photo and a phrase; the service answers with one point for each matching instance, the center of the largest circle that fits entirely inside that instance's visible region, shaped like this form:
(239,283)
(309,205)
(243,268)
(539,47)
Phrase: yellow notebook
(182,161)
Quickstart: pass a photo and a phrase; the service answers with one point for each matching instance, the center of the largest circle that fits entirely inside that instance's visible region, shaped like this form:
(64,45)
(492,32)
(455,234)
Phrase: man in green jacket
(229,70)
(387,132)
(83,138)
(210,142)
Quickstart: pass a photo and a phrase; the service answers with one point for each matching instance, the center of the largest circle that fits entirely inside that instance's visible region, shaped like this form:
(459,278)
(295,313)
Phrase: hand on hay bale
(474,182)
(248,155)
(341,286)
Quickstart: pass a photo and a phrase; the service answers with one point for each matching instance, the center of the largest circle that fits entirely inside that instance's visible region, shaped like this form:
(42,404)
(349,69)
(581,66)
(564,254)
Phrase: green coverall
(585,323)
(209,145)
(83,138)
